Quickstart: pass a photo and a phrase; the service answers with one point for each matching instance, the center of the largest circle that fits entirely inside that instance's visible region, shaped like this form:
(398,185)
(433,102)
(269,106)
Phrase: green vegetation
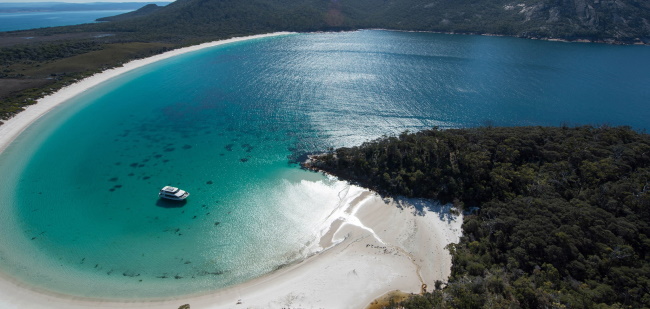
(31,72)
(143,11)
(560,217)
(563,214)
(30,54)
(594,20)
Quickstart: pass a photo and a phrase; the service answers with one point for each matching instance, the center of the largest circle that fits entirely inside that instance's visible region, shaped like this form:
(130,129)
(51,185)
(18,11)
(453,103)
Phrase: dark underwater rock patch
(247,147)
(131,274)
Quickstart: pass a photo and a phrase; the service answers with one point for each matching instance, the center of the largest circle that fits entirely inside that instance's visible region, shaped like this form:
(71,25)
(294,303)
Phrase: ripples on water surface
(80,212)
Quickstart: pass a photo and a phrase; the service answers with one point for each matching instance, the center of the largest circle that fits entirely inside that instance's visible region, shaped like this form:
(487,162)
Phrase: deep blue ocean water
(32,20)
(80,213)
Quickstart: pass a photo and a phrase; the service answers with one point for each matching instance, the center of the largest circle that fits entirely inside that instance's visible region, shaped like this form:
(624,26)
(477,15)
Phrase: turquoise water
(31,20)
(80,213)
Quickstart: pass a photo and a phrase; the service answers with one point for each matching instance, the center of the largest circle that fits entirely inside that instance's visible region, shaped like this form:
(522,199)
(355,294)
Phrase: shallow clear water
(80,213)
(32,20)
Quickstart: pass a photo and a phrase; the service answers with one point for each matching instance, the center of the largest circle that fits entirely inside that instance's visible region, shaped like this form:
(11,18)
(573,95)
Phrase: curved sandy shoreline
(17,124)
(374,246)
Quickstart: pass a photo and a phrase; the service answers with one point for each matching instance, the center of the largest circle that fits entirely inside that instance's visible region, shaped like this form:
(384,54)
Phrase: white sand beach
(372,246)
(14,126)
(375,247)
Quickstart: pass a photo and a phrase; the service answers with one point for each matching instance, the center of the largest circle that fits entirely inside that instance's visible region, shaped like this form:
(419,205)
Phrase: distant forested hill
(556,217)
(16,7)
(143,11)
(595,20)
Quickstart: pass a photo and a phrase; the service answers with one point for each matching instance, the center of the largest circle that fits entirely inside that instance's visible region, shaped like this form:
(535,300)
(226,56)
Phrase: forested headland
(555,217)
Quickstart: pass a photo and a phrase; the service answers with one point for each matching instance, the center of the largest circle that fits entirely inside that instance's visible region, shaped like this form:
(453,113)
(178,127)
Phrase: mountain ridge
(624,21)
(143,11)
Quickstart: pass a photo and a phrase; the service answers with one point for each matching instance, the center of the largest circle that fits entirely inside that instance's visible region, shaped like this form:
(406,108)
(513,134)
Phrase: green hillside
(621,20)
(625,21)
(143,11)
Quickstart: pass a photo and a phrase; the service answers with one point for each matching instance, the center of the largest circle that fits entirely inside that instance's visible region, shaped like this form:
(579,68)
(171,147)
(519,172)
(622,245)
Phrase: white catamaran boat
(173,193)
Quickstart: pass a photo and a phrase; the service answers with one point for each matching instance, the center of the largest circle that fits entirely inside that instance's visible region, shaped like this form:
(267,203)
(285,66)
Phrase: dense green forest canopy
(143,11)
(620,20)
(555,217)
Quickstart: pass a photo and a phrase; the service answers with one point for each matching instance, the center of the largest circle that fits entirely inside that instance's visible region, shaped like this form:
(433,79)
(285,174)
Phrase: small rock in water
(243,159)
(209,182)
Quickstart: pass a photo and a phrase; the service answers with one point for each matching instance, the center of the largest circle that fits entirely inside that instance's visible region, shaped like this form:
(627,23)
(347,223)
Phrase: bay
(32,20)
(80,212)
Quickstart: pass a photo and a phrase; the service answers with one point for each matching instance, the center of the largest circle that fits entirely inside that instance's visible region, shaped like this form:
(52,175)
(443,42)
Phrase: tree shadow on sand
(421,206)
